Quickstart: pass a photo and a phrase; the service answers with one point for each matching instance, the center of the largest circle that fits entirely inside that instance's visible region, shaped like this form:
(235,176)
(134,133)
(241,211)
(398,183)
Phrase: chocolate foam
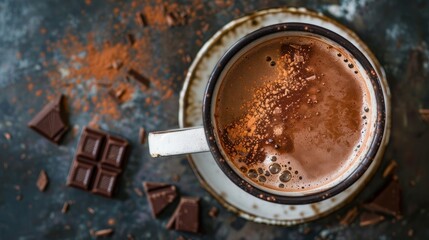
(290,113)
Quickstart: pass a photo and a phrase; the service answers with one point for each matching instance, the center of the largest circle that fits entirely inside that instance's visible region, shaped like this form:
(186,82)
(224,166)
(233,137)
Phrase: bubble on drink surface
(267,173)
(243,169)
(346,60)
(268,58)
(273,158)
(262,179)
(252,173)
(285,176)
(273,63)
(366,109)
(339,55)
(281,185)
(260,171)
(296,172)
(275,168)
(351,65)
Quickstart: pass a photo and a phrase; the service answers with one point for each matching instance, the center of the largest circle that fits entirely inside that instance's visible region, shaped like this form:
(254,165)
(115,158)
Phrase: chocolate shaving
(141,20)
(138,192)
(138,77)
(349,217)
(389,169)
(186,217)
(103,232)
(65,208)
(51,122)
(142,135)
(388,201)
(42,181)
(367,219)
(131,39)
(159,196)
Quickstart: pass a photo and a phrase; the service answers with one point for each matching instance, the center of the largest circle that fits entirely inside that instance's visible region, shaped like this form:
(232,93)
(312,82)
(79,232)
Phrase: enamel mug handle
(178,141)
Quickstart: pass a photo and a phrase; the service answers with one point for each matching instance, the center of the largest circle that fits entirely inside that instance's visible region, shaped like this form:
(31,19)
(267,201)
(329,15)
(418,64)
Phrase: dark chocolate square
(80,175)
(115,151)
(90,144)
(105,182)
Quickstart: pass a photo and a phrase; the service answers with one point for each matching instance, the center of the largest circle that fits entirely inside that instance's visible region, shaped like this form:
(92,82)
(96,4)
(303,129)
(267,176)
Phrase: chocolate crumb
(116,94)
(138,192)
(424,113)
(180,238)
(130,236)
(171,20)
(175,178)
(131,39)
(349,217)
(213,212)
(367,219)
(390,168)
(42,181)
(65,208)
(410,232)
(116,65)
(7,136)
(111,221)
(90,210)
(142,135)
(103,232)
(19,197)
(159,196)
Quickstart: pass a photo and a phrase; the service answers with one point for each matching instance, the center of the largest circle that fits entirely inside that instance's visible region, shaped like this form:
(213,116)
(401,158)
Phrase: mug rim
(209,130)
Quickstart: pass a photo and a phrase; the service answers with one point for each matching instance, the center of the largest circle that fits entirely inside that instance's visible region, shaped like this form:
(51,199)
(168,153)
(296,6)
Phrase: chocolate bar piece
(98,162)
(388,201)
(187,215)
(159,196)
(51,121)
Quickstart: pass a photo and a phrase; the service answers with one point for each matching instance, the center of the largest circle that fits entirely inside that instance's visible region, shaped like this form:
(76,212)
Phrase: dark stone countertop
(37,44)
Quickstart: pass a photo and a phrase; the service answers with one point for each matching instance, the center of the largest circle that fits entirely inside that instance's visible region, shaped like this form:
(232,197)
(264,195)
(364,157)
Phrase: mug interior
(369,144)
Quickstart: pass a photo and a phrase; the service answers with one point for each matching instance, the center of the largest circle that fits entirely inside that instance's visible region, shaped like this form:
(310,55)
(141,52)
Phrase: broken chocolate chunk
(159,196)
(42,181)
(138,77)
(388,201)
(51,121)
(367,219)
(187,216)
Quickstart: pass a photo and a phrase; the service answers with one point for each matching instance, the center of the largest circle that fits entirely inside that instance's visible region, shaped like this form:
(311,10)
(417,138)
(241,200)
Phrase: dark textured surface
(397,32)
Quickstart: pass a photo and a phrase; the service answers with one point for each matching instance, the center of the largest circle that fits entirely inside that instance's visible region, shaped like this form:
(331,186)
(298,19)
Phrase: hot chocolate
(291,113)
